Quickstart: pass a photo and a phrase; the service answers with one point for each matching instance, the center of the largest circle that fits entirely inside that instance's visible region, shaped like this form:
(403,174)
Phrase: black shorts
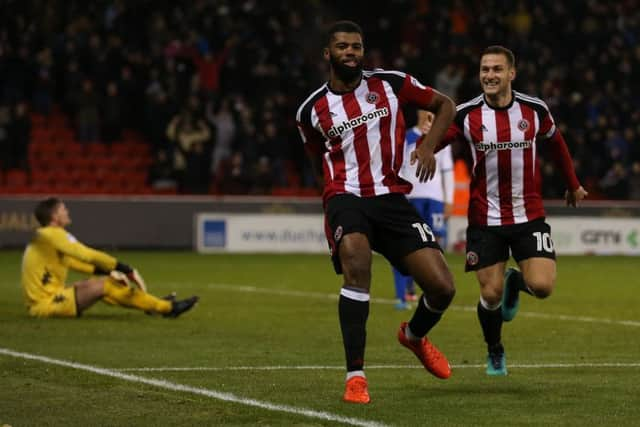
(490,245)
(392,225)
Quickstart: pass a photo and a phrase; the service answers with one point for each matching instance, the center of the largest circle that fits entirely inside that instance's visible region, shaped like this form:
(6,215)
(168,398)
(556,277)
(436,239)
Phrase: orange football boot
(356,390)
(432,359)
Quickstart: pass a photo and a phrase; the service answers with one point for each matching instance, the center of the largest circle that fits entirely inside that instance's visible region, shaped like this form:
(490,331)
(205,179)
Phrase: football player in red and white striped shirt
(502,128)
(353,130)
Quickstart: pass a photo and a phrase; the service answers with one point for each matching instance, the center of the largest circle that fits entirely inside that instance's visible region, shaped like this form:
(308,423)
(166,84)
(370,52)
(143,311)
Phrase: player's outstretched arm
(70,247)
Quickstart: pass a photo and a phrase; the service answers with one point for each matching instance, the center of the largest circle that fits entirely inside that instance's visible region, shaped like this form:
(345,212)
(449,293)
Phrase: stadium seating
(16,181)
(59,164)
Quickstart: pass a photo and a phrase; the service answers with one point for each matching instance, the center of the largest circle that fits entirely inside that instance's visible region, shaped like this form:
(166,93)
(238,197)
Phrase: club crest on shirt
(338,234)
(472,258)
(523,124)
(372,97)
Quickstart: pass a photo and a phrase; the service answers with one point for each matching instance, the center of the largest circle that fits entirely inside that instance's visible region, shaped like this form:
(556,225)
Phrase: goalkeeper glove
(136,278)
(120,278)
(132,275)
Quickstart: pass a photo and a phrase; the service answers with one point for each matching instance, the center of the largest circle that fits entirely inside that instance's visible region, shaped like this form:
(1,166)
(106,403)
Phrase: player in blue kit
(432,199)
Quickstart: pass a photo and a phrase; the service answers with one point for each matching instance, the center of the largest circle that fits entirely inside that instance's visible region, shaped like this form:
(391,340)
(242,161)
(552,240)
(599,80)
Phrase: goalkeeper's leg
(117,293)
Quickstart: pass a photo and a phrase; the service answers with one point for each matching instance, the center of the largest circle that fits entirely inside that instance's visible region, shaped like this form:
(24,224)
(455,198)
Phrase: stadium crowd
(213,84)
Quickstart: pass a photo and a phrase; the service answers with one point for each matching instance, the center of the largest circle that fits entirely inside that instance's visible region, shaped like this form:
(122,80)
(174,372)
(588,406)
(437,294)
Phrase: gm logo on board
(215,234)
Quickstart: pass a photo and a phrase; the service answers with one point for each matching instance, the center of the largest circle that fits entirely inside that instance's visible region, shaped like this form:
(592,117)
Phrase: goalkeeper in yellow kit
(53,251)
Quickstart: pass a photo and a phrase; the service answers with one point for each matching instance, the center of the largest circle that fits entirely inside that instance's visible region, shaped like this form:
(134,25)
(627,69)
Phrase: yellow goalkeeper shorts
(61,303)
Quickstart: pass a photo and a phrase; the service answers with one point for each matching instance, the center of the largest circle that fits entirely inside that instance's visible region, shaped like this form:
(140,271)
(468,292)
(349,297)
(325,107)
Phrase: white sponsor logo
(339,128)
(508,145)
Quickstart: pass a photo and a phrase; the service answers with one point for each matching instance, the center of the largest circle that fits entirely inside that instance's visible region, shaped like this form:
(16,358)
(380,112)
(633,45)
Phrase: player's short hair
(501,50)
(343,27)
(44,210)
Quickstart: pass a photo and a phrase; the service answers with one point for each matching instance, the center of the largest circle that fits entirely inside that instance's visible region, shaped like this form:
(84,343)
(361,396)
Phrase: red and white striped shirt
(506,180)
(360,134)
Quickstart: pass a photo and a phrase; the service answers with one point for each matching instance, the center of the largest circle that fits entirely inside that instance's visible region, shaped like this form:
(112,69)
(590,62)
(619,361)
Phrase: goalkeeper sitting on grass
(53,251)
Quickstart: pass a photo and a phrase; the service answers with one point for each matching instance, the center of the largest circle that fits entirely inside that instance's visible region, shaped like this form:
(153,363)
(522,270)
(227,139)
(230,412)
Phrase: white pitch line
(369,367)
(226,397)
(334,297)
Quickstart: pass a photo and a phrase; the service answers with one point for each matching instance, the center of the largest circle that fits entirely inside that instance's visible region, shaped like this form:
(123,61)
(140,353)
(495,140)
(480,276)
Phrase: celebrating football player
(353,130)
(501,128)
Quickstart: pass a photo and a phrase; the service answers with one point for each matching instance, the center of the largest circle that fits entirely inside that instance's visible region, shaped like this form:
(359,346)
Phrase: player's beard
(345,73)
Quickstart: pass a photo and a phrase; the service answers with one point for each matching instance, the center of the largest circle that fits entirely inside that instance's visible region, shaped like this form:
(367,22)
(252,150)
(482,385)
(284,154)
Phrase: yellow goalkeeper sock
(116,293)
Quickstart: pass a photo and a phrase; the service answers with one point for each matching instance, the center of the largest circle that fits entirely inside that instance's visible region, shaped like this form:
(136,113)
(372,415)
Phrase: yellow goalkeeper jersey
(48,257)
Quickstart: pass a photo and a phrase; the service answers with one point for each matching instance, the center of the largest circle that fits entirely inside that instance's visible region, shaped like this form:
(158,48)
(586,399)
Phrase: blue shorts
(432,211)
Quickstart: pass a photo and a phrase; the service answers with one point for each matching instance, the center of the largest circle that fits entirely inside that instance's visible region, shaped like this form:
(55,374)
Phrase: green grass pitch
(263,346)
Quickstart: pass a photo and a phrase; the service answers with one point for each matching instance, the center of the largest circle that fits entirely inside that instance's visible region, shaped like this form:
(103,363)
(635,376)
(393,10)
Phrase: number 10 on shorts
(425,232)
(543,241)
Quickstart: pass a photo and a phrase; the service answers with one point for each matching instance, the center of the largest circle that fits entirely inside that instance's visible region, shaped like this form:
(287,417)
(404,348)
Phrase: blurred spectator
(460,21)
(634,181)
(208,67)
(550,174)
(87,113)
(632,143)
(189,133)
(617,146)
(262,177)
(161,173)
(19,134)
(233,177)
(521,21)
(180,69)
(112,115)
(159,113)
(267,145)
(196,176)
(448,80)
(132,94)
(73,81)
(614,183)
(223,122)
(17,73)
(43,86)
(5,139)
